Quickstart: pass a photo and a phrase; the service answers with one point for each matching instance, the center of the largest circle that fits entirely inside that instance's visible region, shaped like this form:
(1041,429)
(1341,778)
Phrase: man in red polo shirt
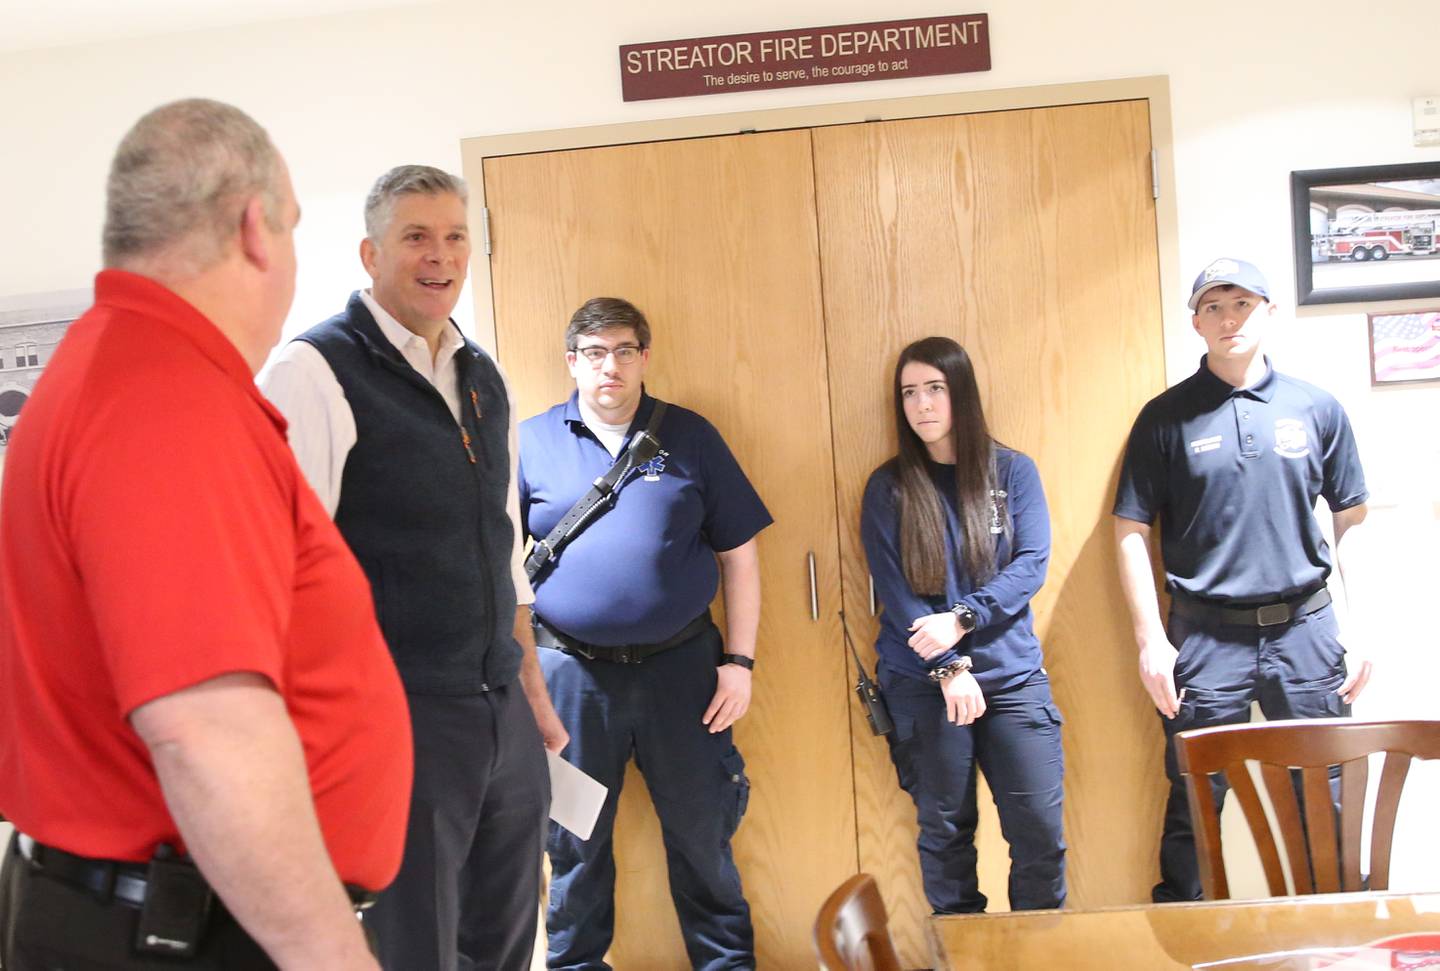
(190,665)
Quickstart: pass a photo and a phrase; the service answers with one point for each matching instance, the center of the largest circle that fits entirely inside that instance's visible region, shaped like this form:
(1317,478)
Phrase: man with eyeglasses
(634,664)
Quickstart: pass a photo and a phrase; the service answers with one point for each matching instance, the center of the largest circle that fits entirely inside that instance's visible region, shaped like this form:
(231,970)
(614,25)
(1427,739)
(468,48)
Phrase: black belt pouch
(178,900)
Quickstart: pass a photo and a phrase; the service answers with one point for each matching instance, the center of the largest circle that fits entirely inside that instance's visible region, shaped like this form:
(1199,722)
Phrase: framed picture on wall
(30,329)
(1405,347)
(1366,234)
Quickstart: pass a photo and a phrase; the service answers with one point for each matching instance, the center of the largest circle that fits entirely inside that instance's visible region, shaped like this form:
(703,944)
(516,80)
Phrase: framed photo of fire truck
(1366,234)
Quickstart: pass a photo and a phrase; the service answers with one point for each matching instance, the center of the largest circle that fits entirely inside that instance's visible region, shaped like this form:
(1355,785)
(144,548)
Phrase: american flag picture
(1405,347)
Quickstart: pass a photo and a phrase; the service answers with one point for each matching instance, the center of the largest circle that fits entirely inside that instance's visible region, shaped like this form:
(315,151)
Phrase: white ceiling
(27,24)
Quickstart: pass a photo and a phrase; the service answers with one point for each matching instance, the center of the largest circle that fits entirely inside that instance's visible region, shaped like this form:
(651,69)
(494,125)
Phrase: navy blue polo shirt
(1003,646)
(1233,475)
(647,567)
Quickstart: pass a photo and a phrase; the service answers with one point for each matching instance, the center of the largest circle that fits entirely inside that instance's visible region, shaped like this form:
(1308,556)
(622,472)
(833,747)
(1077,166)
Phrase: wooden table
(1174,935)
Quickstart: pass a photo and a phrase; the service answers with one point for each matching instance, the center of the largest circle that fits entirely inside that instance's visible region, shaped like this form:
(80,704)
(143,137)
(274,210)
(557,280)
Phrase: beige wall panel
(1029,236)
(715,240)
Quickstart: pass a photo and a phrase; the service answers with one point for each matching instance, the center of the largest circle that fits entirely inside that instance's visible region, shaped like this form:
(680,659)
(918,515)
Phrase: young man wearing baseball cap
(1231,461)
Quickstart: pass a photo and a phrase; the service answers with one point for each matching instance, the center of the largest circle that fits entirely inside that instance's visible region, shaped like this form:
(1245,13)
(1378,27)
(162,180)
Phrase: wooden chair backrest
(852,930)
(1311,747)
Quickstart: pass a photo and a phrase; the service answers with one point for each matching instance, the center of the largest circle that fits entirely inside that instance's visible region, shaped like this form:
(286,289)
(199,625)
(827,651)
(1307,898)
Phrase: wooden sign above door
(811,55)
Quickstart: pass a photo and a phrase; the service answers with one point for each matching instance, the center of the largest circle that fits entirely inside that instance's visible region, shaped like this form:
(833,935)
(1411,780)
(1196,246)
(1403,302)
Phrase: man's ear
(367,256)
(253,244)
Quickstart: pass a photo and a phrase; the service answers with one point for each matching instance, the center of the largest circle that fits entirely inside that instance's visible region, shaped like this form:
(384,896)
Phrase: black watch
(740,659)
(966,616)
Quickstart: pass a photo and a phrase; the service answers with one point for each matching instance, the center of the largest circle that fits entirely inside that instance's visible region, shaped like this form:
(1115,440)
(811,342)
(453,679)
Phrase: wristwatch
(947,671)
(966,616)
(740,659)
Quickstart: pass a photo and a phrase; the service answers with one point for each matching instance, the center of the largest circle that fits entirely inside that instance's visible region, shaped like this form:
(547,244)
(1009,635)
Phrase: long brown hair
(922,518)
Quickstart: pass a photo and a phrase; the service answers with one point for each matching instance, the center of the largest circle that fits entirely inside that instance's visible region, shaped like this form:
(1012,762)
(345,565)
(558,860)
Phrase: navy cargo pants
(1292,670)
(1016,743)
(650,711)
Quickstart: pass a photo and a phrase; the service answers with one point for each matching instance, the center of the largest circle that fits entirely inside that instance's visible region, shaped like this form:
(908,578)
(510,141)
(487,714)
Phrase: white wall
(1258,89)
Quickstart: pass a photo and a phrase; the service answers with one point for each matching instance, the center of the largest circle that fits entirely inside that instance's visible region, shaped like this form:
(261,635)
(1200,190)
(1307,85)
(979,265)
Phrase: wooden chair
(851,930)
(1311,746)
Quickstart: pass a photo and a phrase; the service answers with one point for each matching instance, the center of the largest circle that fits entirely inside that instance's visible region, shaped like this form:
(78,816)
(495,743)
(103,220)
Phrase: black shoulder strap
(643,447)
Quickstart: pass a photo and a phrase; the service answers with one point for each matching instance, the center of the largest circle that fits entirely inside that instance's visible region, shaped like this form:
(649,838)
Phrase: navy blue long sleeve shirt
(1003,646)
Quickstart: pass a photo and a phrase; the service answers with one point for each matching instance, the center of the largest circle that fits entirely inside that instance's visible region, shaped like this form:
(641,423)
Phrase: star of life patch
(654,467)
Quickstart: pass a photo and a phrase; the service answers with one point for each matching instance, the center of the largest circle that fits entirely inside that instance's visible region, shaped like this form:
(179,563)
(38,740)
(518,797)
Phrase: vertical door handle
(814,594)
(872,596)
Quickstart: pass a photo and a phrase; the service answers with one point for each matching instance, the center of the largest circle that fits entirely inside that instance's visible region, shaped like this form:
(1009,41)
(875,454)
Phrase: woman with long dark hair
(958,536)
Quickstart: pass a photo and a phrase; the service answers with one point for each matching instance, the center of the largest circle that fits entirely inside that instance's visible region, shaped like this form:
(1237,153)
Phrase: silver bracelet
(947,671)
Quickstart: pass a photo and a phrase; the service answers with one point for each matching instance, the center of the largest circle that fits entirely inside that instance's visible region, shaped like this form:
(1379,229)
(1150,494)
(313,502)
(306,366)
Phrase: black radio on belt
(876,711)
(177,906)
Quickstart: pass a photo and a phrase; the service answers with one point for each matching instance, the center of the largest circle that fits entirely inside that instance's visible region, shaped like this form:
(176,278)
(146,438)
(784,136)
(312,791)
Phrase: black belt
(1266,615)
(117,879)
(106,879)
(547,636)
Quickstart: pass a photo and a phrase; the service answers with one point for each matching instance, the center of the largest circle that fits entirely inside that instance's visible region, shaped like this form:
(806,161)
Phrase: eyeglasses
(597,353)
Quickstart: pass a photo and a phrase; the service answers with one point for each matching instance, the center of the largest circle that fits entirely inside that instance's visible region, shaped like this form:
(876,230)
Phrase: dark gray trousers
(468,892)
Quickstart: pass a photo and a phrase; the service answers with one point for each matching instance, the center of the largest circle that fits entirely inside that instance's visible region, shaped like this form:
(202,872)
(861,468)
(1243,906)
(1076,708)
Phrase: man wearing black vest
(404,428)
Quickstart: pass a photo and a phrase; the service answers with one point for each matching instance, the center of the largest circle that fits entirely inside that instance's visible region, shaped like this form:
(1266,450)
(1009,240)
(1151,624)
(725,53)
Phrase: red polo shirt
(155,532)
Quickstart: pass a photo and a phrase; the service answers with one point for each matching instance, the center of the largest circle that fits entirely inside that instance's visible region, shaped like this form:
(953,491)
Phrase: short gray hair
(404,180)
(184,172)
(604,313)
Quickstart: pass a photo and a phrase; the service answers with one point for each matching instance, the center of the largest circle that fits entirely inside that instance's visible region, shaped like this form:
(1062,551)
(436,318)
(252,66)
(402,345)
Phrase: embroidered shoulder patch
(1291,441)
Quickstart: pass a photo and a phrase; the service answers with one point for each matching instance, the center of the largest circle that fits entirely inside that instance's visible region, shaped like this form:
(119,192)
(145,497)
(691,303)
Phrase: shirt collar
(142,295)
(400,335)
(572,411)
(576,421)
(1262,390)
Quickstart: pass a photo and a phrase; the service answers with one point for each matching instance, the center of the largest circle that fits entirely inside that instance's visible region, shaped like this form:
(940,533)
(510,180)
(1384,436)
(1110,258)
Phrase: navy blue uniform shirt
(1003,646)
(645,568)
(1233,475)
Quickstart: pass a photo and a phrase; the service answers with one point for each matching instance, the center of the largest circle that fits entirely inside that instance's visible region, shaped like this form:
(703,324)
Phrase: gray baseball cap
(1227,271)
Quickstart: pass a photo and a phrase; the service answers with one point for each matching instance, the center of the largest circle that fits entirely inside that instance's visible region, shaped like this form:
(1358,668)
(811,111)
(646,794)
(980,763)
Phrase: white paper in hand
(575,798)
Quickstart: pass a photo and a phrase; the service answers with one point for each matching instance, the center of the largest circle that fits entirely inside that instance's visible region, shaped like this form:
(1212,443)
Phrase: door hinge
(485,228)
(1154,175)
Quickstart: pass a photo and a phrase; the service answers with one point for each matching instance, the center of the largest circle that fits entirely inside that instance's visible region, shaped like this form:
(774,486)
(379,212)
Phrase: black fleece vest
(422,505)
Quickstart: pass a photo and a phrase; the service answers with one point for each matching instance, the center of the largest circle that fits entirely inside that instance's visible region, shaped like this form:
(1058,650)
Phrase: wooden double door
(782,273)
